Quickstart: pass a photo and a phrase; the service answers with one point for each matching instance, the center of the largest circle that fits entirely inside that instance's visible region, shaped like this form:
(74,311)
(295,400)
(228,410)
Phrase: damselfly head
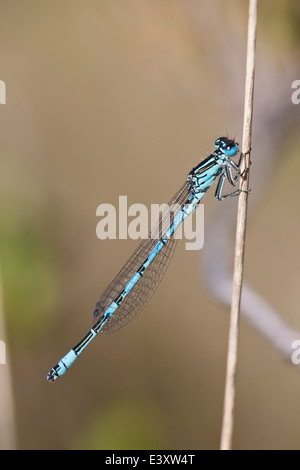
(227,146)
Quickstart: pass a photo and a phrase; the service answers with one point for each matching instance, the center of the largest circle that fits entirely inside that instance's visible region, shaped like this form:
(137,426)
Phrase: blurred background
(109,98)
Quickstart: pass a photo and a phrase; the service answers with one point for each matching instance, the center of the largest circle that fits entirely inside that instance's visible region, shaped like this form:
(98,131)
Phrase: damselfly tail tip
(52,375)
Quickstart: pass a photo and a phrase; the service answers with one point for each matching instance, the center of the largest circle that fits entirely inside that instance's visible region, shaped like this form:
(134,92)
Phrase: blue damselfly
(132,288)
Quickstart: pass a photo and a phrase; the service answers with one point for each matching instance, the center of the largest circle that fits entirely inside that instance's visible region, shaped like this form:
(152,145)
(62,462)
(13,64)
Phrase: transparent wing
(141,293)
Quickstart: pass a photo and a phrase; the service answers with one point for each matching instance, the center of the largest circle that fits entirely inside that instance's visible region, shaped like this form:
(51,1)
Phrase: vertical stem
(7,410)
(228,412)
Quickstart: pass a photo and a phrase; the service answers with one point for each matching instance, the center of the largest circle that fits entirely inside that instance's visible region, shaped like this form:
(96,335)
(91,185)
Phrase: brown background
(109,98)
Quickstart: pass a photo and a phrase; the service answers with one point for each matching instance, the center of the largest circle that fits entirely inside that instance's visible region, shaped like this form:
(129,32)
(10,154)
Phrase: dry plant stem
(228,412)
(7,408)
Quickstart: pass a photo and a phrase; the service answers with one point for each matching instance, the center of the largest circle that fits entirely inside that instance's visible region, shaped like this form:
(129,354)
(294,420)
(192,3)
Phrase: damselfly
(132,288)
